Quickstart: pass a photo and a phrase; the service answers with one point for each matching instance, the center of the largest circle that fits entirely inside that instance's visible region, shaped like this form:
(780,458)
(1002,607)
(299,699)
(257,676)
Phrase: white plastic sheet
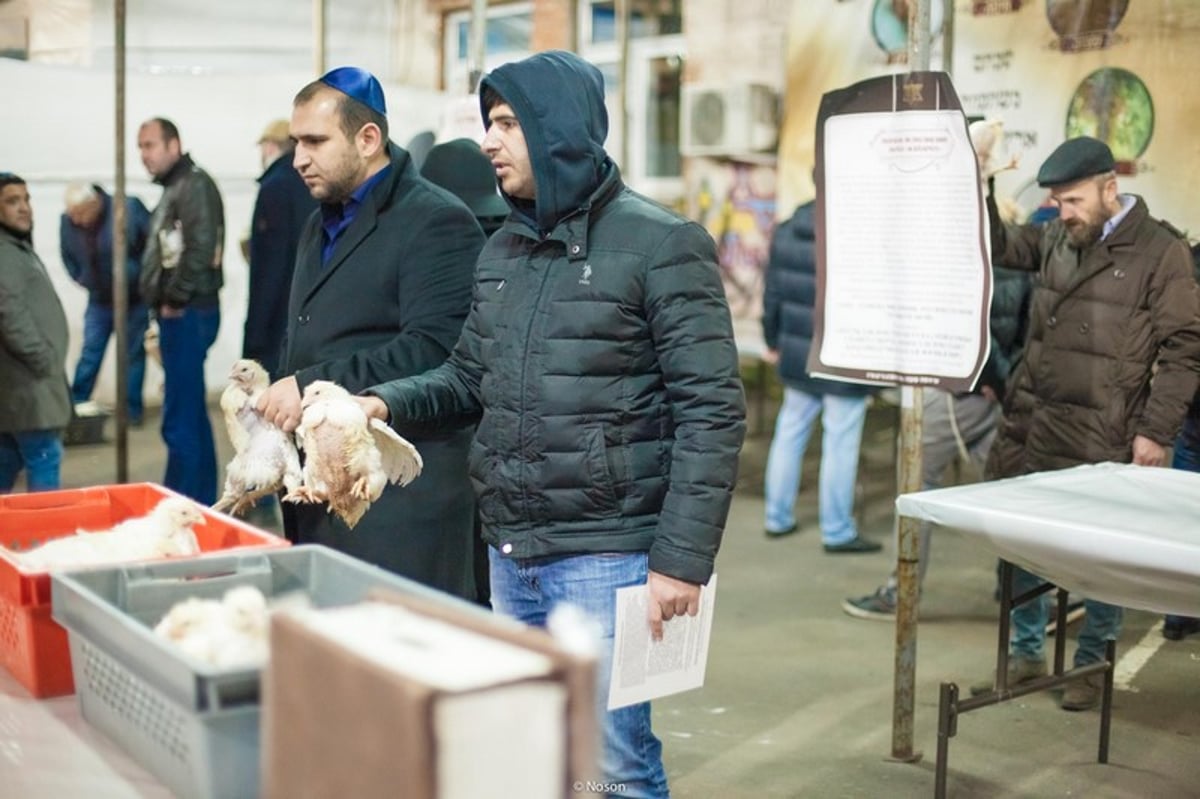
(1123,534)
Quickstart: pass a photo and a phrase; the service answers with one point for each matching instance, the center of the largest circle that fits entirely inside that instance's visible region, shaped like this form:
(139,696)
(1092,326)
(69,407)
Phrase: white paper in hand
(645,669)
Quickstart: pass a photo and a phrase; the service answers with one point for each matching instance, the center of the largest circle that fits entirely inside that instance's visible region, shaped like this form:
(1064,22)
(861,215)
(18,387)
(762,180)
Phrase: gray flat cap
(1075,159)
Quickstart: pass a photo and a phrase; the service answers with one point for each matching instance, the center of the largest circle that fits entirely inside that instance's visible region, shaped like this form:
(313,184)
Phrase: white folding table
(1123,534)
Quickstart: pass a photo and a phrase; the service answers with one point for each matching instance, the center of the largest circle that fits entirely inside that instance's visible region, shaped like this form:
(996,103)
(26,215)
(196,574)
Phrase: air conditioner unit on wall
(730,119)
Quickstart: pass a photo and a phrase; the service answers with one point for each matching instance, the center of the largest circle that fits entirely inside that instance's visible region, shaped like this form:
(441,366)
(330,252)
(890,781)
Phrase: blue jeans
(1186,456)
(528,589)
(842,423)
(1101,624)
(39,452)
(97,328)
(191,452)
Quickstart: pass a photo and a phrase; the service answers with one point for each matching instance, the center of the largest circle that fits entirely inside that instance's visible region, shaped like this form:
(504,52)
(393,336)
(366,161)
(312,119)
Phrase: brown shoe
(1083,693)
(1019,670)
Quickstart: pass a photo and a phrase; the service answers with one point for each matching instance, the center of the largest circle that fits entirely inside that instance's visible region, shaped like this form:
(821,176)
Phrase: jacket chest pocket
(492,293)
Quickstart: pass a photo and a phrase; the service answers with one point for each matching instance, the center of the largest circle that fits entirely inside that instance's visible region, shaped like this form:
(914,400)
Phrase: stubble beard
(344,179)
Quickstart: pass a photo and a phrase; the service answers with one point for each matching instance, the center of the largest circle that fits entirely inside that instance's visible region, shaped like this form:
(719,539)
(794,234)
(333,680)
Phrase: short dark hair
(352,114)
(10,179)
(169,131)
(490,98)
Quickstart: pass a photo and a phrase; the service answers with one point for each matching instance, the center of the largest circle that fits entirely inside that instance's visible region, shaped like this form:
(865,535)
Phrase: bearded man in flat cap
(1114,304)
(381,288)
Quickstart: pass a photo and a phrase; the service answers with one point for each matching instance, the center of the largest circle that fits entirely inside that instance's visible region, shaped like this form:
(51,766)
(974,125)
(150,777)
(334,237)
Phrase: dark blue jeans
(39,452)
(1186,454)
(97,328)
(191,451)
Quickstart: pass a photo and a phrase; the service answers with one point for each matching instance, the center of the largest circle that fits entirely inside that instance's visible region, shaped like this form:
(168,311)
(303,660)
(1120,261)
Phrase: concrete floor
(798,695)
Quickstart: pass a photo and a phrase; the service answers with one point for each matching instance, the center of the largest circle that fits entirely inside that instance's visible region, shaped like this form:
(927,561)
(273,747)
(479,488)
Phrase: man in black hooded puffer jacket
(600,353)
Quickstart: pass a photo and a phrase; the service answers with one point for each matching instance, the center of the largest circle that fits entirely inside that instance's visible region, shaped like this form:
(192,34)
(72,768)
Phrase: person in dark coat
(962,426)
(282,207)
(1186,455)
(460,167)
(600,353)
(35,404)
(1110,364)
(180,282)
(85,243)
(380,291)
(791,291)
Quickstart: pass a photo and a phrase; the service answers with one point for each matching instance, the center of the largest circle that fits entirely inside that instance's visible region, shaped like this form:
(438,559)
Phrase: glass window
(646,18)
(662,117)
(651,162)
(507,36)
(505,33)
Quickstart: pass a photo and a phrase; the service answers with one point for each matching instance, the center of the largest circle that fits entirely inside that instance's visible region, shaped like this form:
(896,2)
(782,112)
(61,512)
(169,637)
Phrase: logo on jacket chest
(585,277)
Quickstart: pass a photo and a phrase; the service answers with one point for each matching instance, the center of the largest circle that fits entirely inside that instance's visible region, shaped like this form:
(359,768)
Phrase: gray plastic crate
(193,726)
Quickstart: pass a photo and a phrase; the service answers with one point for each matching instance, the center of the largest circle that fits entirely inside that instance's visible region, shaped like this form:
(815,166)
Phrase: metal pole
(908,536)
(918,35)
(318,14)
(478,50)
(948,37)
(907,570)
(622,24)
(120,246)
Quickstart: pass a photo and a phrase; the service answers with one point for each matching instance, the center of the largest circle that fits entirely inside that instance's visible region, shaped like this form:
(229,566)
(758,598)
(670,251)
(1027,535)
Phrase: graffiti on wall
(736,204)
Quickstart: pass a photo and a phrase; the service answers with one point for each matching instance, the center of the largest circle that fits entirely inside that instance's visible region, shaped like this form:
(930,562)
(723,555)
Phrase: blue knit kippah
(359,84)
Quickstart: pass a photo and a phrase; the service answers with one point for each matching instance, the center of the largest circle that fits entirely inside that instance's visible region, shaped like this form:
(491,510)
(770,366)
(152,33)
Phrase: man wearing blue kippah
(1114,305)
(381,288)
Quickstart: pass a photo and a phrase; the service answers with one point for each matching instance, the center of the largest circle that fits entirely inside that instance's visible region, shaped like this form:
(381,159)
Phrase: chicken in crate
(55,531)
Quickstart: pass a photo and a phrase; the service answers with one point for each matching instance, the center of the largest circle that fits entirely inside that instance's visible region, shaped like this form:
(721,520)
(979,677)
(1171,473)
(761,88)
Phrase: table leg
(947,727)
(1106,701)
(1060,632)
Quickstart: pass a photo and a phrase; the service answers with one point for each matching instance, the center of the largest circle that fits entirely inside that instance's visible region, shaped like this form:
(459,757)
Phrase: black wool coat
(389,304)
(788,305)
(281,209)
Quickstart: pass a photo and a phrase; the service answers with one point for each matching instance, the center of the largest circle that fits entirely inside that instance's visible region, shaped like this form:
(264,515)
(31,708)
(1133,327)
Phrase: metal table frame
(950,707)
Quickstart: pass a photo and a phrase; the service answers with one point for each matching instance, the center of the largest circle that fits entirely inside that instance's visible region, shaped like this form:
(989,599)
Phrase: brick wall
(552,25)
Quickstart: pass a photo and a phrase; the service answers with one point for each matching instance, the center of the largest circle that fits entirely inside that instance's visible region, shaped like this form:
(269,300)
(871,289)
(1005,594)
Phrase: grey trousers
(952,426)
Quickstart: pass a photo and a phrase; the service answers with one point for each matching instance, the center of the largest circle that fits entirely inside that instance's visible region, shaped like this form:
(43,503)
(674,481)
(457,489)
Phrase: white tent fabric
(1124,534)
(57,127)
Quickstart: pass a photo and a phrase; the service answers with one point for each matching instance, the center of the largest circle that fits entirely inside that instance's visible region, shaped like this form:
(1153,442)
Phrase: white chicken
(166,531)
(348,457)
(227,633)
(265,457)
(987,137)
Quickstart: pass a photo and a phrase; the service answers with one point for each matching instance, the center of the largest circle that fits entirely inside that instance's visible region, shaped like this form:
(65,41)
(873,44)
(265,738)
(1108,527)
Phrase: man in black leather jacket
(180,280)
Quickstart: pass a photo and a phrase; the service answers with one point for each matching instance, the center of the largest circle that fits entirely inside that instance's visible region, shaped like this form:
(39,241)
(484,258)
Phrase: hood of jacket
(559,100)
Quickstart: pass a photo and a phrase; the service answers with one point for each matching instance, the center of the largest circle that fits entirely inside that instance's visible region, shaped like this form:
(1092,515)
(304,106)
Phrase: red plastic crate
(32,645)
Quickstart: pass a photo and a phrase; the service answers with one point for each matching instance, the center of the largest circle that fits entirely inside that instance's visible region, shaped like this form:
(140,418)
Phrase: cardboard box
(403,696)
